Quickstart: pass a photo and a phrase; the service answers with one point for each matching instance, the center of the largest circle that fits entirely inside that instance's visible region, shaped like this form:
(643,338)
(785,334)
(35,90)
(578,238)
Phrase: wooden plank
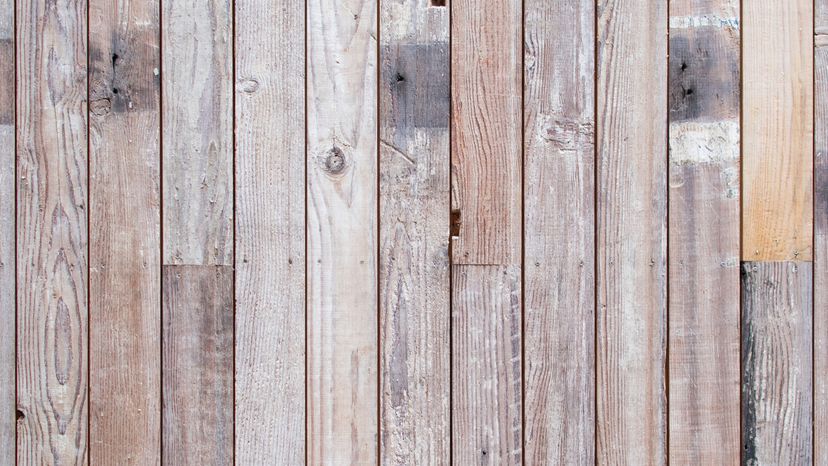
(197,132)
(270,232)
(486,222)
(7,231)
(125,264)
(414,233)
(777,214)
(486,400)
(52,330)
(198,365)
(559,218)
(342,279)
(821,231)
(704,232)
(776,359)
(631,225)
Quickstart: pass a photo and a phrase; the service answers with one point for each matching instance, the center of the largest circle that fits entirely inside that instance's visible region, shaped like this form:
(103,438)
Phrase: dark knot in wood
(335,161)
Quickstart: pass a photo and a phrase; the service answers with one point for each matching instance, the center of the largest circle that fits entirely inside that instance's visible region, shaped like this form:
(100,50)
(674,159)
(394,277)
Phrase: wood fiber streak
(125,262)
(559,232)
(198,365)
(704,232)
(821,233)
(632,237)
(198,132)
(776,360)
(414,233)
(486,130)
(52,233)
(486,400)
(778,128)
(342,378)
(7,223)
(270,232)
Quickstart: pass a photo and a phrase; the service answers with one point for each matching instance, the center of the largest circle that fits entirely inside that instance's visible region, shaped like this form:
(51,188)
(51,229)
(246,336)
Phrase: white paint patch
(697,142)
(686,22)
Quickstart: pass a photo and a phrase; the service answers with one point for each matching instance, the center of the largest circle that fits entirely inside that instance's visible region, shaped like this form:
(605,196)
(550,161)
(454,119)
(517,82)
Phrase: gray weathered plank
(776,359)
(559,215)
(342,391)
(631,226)
(198,365)
(125,229)
(414,233)
(52,232)
(704,232)
(270,232)
(486,400)
(7,223)
(197,133)
(821,231)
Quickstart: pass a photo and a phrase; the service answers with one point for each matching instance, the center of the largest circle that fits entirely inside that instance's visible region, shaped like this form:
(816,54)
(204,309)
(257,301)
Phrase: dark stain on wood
(704,74)
(7,87)
(125,76)
(419,84)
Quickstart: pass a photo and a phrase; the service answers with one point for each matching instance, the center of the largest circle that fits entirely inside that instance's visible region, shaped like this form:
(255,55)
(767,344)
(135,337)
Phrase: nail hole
(115,90)
(454,223)
(400,78)
(20,415)
(683,66)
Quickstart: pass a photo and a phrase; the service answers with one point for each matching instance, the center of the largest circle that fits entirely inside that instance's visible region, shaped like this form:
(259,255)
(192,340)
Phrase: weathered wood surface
(270,232)
(486,400)
(704,232)
(342,282)
(559,215)
(777,124)
(776,359)
(821,232)
(632,236)
(125,229)
(486,220)
(52,233)
(197,84)
(7,222)
(197,418)
(414,233)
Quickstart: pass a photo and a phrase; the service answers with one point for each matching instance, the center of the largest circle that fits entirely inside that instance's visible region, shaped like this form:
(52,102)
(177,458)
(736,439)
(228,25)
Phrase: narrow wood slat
(777,405)
(197,132)
(342,392)
(124,216)
(52,232)
(821,232)
(486,360)
(198,365)
(559,111)
(631,225)
(270,232)
(414,233)
(777,213)
(704,232)
(7,223)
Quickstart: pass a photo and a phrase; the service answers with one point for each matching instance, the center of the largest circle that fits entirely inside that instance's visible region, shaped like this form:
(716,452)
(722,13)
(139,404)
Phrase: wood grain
(777,406)
(486,131)
(198,365)
(342,390)
(52,233)
(270,232)
(7,229)
(124,216)
(632,237)
(704,232)
(559,215)
(777,213)
(197,98)
(414,233)
(486,400)
(821,232)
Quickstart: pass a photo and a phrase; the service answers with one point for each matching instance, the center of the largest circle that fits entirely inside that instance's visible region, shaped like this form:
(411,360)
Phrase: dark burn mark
(417,79)
(704,74)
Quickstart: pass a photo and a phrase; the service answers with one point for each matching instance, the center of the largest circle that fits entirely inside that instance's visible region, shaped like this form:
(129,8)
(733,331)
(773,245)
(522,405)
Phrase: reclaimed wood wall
(412,232)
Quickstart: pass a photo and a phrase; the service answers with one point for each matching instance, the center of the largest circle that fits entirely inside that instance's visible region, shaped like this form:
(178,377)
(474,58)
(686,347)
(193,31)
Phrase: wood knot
(335,161)
(101,107)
